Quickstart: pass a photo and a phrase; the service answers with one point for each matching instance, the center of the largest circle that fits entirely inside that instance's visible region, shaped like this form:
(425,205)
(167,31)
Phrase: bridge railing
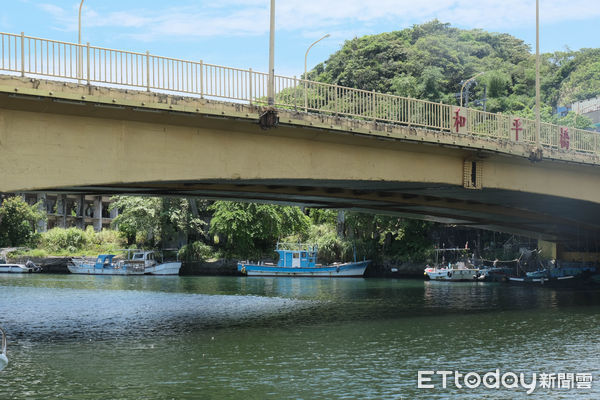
(26,55)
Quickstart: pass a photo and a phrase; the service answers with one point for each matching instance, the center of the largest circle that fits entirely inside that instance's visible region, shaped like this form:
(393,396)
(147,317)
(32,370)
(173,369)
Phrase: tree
(177,217)
(429,61)
(251,229)
(17,222)
(138,218)
(151,220)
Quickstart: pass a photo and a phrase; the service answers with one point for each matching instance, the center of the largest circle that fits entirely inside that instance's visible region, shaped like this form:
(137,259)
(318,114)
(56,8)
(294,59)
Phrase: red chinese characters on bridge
(517,127)
(564,138)
(459,120)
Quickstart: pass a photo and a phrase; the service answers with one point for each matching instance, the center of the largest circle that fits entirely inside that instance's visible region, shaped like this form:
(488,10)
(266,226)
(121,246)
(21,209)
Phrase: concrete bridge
(82,119)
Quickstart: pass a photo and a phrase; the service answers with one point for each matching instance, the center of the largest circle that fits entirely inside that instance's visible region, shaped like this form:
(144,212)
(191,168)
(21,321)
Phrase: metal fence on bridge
(31,56)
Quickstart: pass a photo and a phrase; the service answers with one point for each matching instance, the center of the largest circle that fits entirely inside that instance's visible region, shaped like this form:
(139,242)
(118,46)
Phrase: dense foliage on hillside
(430,61)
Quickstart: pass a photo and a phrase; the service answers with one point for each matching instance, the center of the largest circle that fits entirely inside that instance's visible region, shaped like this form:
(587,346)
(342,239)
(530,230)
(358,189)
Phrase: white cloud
(251,17)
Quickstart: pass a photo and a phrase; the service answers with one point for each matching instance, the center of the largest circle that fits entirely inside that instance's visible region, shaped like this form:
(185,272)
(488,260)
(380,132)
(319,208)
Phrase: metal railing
(25,55)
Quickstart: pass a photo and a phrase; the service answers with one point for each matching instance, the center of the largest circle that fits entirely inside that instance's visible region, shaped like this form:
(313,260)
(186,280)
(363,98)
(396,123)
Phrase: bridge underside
(572,222)
(77,139)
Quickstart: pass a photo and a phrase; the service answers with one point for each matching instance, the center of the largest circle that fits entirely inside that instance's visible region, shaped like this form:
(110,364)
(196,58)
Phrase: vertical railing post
(250,85)
(596,142)
(295,94)
(373,103)
(147,70)
(201,79)
(22,53)
(408,111)
(88,70)
(305,94)
(337,98)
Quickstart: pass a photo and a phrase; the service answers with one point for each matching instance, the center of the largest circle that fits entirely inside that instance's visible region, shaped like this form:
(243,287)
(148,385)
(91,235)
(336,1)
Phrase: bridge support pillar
(42,224)
(80,210)
(578,256)
(548,249)
(98,213)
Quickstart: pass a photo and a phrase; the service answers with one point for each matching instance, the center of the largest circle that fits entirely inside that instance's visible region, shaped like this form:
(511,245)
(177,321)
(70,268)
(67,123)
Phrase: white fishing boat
(149,261)
(456,272)
(301,260)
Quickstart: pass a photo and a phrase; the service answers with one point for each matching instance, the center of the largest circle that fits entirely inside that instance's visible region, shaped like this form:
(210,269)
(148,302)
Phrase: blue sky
(235,32)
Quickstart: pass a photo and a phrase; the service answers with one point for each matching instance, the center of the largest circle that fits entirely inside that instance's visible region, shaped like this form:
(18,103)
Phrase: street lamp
(79,58)
(465,84)
(271,83)
(305,72)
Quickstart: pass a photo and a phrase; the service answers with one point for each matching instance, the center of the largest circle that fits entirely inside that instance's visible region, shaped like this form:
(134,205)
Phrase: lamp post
(79,58)
(271,83)
(465,84)
(305,69)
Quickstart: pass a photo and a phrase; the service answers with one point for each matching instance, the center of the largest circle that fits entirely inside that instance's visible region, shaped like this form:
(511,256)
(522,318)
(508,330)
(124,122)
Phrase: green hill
(429,61)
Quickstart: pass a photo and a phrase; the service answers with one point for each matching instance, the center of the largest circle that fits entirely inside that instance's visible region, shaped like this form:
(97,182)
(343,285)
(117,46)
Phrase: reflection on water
(100,337)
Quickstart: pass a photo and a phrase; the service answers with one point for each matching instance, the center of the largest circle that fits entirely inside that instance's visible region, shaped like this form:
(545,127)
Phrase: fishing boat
(301,260)
(555,275)
(149,261)
(138,262)
(455,272)
(104,265)
(3,358)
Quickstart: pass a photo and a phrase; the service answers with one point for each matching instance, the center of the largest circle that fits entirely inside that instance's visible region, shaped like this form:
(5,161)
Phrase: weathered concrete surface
(75,138)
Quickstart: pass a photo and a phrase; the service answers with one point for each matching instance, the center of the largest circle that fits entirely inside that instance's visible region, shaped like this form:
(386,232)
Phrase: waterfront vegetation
(223,229)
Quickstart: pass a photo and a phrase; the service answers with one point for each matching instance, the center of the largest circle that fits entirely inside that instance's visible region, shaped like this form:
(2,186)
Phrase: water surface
(146,337)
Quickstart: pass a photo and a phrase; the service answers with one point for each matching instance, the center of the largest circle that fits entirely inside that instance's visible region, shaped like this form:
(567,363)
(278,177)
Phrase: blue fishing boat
(301,260)
(555,275)
(104,265)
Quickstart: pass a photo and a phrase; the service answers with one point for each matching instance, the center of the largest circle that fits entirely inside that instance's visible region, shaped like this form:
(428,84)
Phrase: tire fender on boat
(449,274)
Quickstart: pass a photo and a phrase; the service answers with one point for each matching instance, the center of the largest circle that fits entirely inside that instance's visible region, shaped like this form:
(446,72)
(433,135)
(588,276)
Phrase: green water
(110,337)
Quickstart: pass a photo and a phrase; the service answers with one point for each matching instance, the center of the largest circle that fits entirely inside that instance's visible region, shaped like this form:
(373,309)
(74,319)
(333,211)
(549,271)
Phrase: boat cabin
(104,261)
(296,256)
(149,258)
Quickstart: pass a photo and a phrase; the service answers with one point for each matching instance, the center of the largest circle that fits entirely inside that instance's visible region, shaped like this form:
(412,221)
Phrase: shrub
(196,251)
(57,239)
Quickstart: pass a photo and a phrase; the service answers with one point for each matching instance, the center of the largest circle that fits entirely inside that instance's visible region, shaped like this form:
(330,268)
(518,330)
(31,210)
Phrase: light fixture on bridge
(465,84)
(305,70)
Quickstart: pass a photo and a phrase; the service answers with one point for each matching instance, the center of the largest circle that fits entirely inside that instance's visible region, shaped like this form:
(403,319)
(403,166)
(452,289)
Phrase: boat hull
(561,280)
(15,269)
(454,275)
(170,268)
(348,270)
(91,270)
